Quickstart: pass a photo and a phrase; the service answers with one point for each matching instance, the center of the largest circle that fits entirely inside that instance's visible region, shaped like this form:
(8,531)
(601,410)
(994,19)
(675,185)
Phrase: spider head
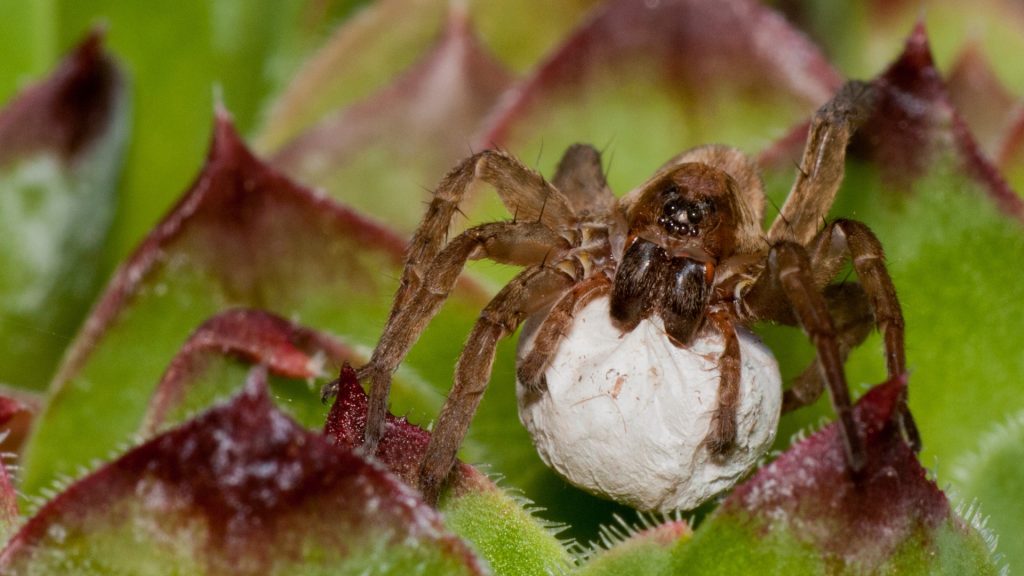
(688,211)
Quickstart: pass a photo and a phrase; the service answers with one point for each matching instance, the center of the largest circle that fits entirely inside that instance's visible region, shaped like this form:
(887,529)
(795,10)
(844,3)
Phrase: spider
(686,248)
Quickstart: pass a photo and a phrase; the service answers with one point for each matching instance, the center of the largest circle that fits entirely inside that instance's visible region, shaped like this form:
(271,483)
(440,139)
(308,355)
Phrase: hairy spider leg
(723,423)
(432,266)
(530,291)
(518,243)
(554,328)
(851,313)
(851,241)
(823,164)
(790,267)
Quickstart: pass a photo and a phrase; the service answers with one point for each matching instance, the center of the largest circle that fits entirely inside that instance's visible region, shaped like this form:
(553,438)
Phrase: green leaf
(205,370)
(806,514)
(27,42)
(648,552)
(220,53)
(389,36)
(380,154)
(241,489)
(990,477)
(61,144)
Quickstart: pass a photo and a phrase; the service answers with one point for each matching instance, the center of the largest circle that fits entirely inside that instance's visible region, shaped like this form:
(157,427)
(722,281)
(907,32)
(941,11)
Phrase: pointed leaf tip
(915,127)
(403,445)
(67,111)
(237,490)
(892,494)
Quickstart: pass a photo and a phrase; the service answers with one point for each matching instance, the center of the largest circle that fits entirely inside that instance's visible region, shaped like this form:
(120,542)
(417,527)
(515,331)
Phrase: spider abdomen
(626,415)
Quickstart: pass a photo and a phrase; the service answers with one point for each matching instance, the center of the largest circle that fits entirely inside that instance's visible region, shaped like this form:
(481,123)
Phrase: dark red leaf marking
(254,336)
(429,112)
(403,445)
(253,477)
(231,209)
(67,110)
(692,42)
(810,491)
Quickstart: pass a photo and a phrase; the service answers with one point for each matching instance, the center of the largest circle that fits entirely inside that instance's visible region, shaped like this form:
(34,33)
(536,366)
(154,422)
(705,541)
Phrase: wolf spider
(687,245)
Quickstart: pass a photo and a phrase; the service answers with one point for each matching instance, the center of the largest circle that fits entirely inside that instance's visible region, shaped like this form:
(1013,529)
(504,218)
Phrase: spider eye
(681,217)
(694,213)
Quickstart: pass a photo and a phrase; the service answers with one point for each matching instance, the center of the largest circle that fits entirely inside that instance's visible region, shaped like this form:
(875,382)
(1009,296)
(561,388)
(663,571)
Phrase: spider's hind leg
(528,292)
(789,269)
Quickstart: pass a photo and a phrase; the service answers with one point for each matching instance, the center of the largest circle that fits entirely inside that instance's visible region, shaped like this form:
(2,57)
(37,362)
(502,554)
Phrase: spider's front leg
(432,266)
(530,371)
(519,243)
(528,292)
(723,423)
(851,241)
(789,270)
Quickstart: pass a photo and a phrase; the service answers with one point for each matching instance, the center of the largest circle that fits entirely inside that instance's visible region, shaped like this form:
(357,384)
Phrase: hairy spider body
(685,250)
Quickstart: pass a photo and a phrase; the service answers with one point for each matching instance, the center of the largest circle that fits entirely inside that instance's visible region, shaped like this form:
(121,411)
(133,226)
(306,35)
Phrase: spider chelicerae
(686,249)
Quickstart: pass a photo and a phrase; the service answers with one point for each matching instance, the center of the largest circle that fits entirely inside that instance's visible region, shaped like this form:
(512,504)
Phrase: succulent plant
(169,420)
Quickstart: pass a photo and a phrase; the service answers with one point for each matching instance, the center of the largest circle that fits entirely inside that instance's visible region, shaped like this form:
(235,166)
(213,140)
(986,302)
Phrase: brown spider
(686,246)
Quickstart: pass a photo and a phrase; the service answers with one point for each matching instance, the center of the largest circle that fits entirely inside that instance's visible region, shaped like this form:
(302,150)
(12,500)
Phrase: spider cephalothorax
(670,275)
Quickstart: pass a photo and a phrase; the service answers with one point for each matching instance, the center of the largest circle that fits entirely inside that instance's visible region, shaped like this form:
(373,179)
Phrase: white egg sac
(625,416)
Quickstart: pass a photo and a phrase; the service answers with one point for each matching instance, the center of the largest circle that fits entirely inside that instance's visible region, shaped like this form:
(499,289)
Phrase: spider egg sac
(625,416)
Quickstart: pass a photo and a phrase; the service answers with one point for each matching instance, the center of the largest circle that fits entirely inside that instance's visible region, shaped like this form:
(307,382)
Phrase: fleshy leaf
(388,36)
(193,381)
(61,142)
(381,154)
(221,53)
(916,126)
(980,97)
(991,477)
(806,514)
(647,553)
(860,37)
(950,224)
(649,79)
(507,536)
(241,489)
(242,236)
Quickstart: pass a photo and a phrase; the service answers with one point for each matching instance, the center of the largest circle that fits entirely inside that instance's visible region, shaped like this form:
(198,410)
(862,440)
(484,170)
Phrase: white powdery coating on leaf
(626,416)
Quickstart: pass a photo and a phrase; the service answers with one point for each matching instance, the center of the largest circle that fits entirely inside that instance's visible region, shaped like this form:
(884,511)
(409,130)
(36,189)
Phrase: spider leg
(849,240)
(790,267)
(851,312)
(822,165)
(524,192)
(522,243)
(528,292)
(723,423)
(581,178)
(530,371)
